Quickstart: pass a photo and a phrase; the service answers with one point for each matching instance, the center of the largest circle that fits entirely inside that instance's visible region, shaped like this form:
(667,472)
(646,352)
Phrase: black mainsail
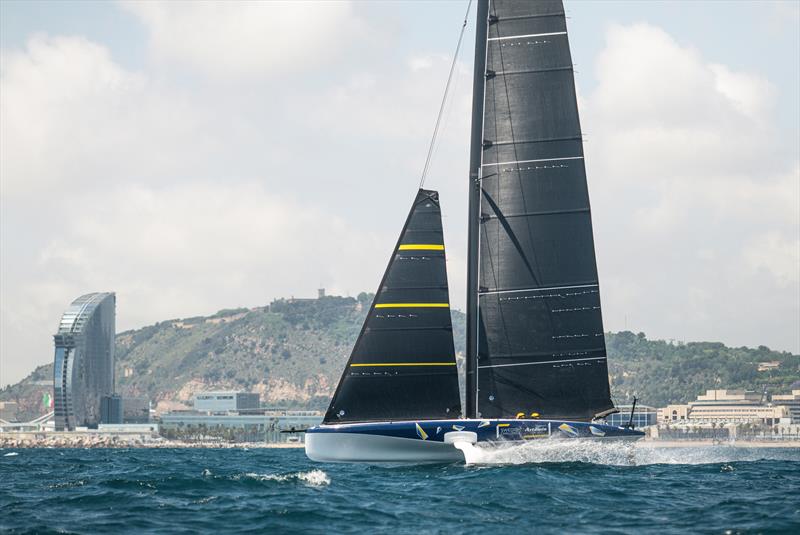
(538,344)
(403,364)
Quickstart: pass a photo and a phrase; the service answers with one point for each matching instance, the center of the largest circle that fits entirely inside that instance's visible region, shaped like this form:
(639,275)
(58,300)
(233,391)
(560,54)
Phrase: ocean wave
(67,484)
(543,487)
(312,478)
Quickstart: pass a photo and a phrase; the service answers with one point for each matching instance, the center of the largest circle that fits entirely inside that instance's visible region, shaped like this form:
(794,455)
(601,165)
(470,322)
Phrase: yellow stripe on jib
(412,305)
(421,247)
(370,364)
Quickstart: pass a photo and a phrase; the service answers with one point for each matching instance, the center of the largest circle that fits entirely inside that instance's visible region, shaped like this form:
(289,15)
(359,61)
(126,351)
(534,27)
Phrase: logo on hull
(568,429)
(421,432)
(596,431)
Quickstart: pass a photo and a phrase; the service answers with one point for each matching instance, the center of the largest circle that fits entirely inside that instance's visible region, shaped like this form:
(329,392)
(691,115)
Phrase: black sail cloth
(541,347)
(403,363)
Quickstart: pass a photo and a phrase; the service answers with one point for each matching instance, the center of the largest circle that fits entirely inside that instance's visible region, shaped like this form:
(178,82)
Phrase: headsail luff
(403,363)
(540,332)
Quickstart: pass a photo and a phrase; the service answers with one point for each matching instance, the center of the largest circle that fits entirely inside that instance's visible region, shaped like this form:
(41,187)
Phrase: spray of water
(312,478)
(614,453)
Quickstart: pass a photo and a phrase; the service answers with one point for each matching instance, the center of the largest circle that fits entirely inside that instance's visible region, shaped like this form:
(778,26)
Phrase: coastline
(90,440)
(727,443)
(121,440)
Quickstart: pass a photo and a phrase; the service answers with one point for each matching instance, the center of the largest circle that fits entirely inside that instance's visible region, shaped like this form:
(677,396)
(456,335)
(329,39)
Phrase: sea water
(543,487)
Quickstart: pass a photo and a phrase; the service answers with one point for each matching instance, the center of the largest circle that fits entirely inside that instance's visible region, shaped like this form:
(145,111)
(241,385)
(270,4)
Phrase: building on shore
(642,416)
(254,425)
(84,360)
(150,428)
(111,409)
(8,411)
(791,402)
(135,410)
(225,401)
(769,366)
(724,406)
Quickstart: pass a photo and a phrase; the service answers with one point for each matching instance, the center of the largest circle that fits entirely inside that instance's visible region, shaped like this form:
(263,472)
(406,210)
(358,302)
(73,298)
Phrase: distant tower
(84,360)
(321,293)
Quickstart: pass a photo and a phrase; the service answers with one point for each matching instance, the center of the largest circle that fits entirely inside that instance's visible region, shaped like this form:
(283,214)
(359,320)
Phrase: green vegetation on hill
(660,373)
(293,352)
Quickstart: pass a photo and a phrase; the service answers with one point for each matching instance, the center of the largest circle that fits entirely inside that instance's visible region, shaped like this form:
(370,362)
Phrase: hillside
(660,373)
(293,352)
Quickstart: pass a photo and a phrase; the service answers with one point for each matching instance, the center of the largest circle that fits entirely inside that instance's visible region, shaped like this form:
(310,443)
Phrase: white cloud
(180,251)
(73,119)
(209,245)
(395,104)
(696,196)
(41,89)
(643,68)
(777,255)
(699,119)
(185,203)
(751,95)
(186,200)
(247,39)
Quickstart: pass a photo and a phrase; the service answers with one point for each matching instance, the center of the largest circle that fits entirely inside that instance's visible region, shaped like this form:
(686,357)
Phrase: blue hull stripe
(486,430)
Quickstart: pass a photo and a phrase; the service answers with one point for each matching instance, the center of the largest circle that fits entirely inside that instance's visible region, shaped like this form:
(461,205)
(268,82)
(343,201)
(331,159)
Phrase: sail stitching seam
(535,161)
(542,362)
(532,71)
(412,305)
(384,364)
(542,140)
(544,212)
(539,289)
(527,35)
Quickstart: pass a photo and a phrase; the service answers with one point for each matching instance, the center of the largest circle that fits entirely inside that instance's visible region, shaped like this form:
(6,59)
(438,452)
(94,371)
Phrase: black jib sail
(403,364)
(540,344)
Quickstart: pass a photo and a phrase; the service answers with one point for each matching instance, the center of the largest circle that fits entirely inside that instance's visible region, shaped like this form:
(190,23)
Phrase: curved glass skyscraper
(84,360)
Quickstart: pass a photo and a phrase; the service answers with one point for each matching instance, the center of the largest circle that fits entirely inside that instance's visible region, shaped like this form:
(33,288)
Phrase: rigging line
(444,99)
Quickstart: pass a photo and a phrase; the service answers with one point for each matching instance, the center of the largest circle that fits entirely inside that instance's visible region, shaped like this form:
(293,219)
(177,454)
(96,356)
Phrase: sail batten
(540,341)
(403,363)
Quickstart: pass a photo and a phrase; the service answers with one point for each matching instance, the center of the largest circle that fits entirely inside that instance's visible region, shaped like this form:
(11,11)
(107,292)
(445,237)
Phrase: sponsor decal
(535,431)
(523,432)
(568,429)
(421,432)
(596,431)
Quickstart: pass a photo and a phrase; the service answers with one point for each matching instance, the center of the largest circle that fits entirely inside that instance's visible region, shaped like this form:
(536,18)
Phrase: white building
(226,401)
(791,402)
(724,406)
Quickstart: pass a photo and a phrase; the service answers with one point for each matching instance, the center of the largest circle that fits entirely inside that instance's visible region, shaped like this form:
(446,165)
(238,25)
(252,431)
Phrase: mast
(475,153)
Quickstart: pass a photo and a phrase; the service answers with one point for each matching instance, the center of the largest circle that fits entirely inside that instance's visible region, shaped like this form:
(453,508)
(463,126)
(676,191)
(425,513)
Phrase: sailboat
(535,359)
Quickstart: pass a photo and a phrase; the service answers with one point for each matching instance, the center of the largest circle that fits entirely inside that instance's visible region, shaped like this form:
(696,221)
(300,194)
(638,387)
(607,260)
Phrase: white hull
(356,447)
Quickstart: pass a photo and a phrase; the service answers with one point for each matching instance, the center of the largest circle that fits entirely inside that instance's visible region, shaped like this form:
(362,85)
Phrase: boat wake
(614,453)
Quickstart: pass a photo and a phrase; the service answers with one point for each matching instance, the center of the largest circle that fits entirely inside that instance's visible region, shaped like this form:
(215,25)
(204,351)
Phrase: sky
(196,156)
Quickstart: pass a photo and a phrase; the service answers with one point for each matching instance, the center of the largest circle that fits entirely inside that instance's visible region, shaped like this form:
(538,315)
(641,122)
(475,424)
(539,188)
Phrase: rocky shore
(89,440)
